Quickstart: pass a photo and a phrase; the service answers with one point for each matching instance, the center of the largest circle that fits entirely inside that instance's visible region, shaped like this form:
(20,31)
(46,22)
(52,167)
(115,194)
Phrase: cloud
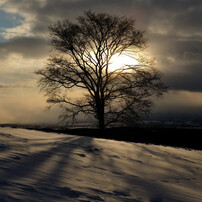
(28,47)
(173,17)
(39,14)
(180,60)
(152,13)
(179,106)
(18,31)
(15,70)
(186,77)
(173,28)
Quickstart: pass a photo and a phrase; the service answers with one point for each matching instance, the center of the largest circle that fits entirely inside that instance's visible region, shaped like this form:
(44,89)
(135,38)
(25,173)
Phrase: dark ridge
(188,138)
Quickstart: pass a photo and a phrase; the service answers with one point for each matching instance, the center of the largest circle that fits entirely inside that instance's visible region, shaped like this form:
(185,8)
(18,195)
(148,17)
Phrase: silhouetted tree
(82,59)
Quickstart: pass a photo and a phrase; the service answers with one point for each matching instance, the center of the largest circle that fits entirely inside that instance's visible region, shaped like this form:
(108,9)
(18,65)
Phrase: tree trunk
(100,113)
(101,120)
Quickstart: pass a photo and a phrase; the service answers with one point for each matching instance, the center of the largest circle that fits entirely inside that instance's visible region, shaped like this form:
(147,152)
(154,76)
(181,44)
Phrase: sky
(173,28)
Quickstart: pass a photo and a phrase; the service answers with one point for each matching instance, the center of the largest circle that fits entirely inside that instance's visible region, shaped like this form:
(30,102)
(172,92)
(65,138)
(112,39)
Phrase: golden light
(118,62)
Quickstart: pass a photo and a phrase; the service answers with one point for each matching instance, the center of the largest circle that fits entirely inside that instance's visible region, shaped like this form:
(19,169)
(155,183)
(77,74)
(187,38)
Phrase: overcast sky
(173,27)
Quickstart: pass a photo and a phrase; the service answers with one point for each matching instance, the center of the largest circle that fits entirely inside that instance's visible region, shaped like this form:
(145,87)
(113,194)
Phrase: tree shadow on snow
(74,168)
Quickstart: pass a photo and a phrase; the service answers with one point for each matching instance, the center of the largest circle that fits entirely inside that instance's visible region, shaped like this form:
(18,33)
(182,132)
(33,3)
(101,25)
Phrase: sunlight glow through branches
(121,61)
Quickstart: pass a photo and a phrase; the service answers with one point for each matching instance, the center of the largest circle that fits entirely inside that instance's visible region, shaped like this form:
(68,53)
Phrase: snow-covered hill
(39,166)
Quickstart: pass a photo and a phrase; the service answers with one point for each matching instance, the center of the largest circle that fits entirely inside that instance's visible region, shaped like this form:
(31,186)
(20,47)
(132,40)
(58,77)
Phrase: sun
(119,62)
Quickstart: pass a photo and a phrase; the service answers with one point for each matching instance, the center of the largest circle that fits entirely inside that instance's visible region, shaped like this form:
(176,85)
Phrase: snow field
(40,166)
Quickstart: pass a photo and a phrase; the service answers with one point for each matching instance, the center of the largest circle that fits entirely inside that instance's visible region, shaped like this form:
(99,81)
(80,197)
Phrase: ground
(41,166)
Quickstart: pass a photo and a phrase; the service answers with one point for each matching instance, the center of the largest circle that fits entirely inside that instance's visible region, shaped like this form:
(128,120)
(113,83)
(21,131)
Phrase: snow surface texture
(39,166)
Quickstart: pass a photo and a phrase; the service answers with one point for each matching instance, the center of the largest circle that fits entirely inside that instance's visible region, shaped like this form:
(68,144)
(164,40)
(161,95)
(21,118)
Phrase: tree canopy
(83,54)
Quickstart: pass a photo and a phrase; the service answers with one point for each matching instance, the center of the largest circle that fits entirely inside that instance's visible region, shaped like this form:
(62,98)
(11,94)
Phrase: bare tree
(82,59)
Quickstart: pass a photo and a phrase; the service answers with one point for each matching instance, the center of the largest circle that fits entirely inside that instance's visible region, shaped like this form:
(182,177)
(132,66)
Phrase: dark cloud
(28,47)
(189,21)
(189,79)
(182,17)
(47,12)
(187,51)
(179,14)
(180,59)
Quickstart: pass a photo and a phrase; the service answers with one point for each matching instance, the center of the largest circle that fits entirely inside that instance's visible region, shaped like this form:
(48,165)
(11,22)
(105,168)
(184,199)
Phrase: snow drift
(40,166)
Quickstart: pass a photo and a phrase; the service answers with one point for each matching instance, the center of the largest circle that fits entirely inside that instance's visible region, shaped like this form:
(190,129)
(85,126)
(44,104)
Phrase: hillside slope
(40,166)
